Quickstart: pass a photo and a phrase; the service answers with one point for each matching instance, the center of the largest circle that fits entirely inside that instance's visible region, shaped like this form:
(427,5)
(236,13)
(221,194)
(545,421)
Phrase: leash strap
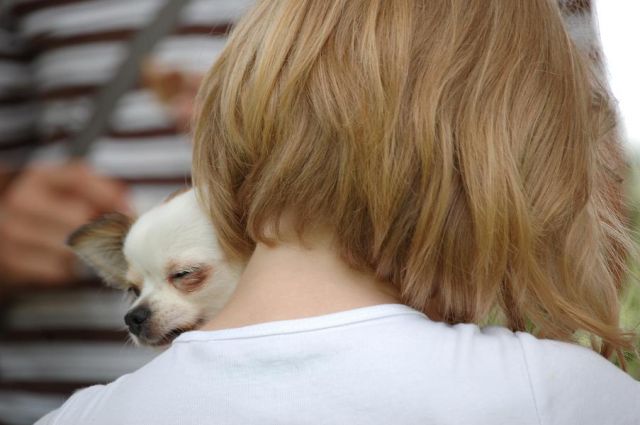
(125,77)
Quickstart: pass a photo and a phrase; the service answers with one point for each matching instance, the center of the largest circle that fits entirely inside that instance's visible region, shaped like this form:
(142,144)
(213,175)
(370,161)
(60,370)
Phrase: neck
(291,281)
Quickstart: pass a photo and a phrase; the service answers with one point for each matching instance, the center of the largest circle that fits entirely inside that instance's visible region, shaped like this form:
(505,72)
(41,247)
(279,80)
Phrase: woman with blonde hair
(392,173)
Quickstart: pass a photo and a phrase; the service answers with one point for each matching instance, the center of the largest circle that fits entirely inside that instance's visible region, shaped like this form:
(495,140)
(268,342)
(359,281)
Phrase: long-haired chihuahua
(168,259)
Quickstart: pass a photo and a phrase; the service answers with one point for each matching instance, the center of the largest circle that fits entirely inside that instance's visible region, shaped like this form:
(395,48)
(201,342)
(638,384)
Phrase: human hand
(175,88)
(39,209)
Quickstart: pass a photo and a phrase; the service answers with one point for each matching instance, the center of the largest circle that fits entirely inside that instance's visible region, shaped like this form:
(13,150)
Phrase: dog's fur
(168,259)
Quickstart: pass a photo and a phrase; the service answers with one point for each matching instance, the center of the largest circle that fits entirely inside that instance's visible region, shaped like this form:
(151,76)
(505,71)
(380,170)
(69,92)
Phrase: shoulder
(573,384)
(117,402)
(558,382)
(75,410)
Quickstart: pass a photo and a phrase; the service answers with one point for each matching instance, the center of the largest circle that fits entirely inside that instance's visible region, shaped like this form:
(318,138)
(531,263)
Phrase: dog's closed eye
(182,273)
(190,278)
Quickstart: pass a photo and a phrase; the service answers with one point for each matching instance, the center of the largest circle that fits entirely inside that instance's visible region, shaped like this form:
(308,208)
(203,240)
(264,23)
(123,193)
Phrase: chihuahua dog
(168,259)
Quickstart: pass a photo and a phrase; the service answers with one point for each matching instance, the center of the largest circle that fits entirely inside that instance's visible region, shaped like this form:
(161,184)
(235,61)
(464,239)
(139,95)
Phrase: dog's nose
(135,319)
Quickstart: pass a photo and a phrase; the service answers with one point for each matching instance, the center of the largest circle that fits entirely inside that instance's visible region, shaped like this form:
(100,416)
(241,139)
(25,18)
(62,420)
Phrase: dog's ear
(100,243)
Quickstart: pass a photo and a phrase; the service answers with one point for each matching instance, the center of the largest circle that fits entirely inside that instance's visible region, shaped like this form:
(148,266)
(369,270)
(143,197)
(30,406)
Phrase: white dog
(170,261)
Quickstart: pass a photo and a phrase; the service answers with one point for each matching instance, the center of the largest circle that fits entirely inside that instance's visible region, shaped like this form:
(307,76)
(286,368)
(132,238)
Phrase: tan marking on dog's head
(175,193)
(133,282)
(100,242)
(134,278)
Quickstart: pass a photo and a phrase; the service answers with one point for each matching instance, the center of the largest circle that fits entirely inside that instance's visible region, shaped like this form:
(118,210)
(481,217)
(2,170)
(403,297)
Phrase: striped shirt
(54,56)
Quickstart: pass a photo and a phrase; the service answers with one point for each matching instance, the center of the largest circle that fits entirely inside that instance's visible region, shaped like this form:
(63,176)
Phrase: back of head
(461,150)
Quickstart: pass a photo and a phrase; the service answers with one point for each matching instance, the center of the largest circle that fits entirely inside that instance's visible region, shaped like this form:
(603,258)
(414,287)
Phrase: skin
(175,88)
(38,210)
(291,281)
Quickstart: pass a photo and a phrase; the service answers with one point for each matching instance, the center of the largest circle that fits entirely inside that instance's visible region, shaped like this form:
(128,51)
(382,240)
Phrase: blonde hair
(461,150)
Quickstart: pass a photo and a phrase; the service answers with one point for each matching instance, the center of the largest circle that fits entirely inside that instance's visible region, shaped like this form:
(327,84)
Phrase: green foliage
(631,320)
(630,312)
(630,317)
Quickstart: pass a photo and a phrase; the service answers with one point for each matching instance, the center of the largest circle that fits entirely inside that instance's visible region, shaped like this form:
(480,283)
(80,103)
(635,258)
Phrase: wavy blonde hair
(461,150)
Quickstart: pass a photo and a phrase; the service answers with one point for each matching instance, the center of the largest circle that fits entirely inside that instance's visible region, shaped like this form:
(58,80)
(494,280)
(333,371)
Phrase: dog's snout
(136,318)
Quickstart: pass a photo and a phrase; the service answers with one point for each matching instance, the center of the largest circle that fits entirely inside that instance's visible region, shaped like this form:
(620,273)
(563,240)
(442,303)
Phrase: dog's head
(169,261)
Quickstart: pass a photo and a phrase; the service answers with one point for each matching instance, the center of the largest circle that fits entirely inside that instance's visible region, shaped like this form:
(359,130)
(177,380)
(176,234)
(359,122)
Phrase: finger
(46,211)
(59,177)
(23,267)
(104,194)
(192,82)
(182,110)
(78,179)
(27,237)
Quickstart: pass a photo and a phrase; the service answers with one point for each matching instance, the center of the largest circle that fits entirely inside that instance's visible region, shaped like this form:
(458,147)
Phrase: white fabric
(157,157)
(191,53)
(137,110)
(78,64)
(101,16)
(386,364)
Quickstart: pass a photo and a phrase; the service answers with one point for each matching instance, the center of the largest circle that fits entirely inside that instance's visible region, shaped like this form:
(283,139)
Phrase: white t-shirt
(386,364)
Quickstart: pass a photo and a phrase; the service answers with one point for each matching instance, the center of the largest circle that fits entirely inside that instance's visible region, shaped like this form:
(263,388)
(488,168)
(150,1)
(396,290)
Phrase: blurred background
(95,102)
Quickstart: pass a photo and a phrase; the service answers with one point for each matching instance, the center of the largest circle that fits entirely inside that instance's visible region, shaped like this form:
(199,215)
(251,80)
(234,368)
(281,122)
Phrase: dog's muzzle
(136,319)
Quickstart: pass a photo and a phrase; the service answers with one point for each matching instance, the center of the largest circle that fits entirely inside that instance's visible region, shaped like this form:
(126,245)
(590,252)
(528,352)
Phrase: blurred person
(61,330)
(392,173)
(39,209)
